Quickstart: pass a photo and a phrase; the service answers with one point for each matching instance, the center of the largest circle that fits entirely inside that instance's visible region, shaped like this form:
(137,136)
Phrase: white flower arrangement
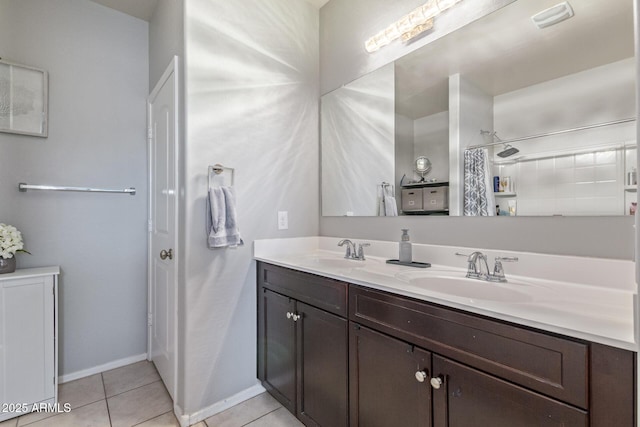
(10,241)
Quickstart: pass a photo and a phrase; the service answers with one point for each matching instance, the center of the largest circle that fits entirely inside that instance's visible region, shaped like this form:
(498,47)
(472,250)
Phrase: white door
(163,127)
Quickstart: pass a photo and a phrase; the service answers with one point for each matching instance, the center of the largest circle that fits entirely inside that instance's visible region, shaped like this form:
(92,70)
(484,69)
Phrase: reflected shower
(508,150)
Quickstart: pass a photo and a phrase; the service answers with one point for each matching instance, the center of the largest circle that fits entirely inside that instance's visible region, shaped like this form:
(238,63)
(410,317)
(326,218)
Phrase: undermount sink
(471,288)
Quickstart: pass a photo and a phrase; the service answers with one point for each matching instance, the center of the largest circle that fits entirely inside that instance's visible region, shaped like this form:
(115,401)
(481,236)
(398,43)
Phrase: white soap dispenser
(405,247)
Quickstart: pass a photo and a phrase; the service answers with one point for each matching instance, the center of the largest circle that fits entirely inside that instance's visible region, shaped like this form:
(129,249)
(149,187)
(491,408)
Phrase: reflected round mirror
(422,167)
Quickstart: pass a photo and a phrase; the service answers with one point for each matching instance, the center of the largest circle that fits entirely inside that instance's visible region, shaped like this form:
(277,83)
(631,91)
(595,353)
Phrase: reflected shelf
(631,188)
(505,194)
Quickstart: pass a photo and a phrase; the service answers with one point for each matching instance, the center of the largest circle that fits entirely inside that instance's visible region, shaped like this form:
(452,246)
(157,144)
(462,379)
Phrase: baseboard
(101,368)
(190,419)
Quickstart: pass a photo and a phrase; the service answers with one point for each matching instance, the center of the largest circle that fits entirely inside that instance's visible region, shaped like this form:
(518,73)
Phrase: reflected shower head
(508,151)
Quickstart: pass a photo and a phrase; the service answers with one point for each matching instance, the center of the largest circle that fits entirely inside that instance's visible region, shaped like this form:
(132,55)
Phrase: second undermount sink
(472,289)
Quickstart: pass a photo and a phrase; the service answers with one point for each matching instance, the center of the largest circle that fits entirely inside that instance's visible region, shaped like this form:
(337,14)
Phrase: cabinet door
(384,388)
(27,346)
(279,348)
(322,367)
(468,397)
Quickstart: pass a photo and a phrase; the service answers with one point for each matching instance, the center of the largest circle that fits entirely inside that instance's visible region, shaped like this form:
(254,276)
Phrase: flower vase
(7,265)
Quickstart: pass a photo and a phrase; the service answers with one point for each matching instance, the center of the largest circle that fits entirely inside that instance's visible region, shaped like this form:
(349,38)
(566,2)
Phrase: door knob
(421,376)
(164,254)
(436,382)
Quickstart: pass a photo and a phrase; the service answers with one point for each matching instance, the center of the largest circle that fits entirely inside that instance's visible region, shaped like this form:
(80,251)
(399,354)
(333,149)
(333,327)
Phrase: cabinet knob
(289,315)
(436,382)
(421,376)
(296,317)
(164,254)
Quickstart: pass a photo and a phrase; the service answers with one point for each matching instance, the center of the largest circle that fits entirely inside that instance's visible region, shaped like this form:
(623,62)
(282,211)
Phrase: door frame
(172,70)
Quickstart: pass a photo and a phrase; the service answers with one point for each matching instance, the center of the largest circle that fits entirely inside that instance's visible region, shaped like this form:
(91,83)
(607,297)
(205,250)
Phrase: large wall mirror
(552,108)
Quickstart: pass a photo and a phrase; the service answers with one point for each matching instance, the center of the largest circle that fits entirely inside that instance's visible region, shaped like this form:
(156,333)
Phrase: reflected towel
(222,224)
(390,206)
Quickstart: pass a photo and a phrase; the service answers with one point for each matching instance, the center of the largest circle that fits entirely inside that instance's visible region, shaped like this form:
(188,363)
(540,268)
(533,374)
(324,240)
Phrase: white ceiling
(504,51)
(143,9)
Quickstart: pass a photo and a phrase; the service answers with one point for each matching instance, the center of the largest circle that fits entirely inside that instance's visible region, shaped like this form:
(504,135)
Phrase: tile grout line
(106,401)
(261,416)
(127,391)
(152,418)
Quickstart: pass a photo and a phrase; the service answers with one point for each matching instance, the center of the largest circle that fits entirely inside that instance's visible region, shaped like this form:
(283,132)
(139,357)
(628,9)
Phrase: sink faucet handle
(498,270)
(361,247)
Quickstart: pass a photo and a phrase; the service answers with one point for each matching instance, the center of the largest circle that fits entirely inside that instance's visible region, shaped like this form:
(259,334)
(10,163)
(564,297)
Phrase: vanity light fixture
(553,15)
(409,26)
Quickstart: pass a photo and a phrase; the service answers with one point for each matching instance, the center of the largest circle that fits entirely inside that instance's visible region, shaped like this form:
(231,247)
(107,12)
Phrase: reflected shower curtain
(478,188)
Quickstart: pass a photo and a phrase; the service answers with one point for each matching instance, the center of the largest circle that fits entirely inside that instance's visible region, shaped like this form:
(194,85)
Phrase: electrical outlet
(283,220)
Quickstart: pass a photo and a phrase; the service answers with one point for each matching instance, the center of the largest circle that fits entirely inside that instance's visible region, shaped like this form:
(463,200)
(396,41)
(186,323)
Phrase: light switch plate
(283,220)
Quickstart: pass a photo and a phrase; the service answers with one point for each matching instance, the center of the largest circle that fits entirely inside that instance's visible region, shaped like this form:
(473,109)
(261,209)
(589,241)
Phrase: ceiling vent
(553,15)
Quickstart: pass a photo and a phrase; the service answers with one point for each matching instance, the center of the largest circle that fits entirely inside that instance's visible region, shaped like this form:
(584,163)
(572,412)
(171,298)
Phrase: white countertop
(587,298)
(25,273)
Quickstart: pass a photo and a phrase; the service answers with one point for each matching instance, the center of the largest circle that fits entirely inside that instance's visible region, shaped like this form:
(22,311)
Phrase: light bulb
(404,24)
(371,46)
(430,10)
(417,30)
(381,39)
(392,32)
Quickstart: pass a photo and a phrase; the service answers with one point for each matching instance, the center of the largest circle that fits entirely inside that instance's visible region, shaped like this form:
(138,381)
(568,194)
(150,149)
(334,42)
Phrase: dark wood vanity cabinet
(398,361)
(302,348)
(384,382)
(490,373)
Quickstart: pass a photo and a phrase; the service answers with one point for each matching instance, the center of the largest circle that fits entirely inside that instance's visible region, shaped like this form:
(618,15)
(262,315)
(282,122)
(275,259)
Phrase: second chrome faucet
(351,252)
(478,267)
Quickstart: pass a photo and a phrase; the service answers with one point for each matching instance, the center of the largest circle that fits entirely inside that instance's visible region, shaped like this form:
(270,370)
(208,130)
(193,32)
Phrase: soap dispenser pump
(405,247)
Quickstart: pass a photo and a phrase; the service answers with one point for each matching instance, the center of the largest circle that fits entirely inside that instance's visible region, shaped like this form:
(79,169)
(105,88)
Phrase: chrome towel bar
(24,187)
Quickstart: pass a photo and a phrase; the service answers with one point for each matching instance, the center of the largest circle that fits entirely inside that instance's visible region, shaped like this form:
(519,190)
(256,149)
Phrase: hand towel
(390,206)
(221,218)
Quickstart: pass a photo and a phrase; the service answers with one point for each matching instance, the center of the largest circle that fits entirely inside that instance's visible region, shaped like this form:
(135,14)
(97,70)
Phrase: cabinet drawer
(320,292)
(551,365)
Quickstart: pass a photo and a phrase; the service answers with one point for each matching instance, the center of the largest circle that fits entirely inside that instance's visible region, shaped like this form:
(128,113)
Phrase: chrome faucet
(477,260)
(351,252)
(351,248)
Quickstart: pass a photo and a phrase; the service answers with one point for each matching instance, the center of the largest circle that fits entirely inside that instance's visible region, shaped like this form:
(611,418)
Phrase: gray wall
(98,80)
(344,26)
(252,104)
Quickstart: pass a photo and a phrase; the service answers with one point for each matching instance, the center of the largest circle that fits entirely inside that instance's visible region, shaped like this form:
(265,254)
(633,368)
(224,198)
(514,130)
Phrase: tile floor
(134,395)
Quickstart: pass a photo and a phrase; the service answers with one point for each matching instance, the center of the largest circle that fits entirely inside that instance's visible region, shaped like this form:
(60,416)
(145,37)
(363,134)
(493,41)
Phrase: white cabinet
(28,335)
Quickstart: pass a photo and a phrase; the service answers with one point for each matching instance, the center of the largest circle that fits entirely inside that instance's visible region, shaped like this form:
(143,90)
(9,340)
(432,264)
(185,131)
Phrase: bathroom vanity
(352,352)
(28,346)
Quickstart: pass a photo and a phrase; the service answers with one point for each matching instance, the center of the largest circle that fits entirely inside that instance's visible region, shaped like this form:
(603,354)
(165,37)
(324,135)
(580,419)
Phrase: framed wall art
(23,99)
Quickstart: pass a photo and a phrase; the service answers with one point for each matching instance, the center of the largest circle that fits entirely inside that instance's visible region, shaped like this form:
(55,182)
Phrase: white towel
(222,225)
(390,206)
